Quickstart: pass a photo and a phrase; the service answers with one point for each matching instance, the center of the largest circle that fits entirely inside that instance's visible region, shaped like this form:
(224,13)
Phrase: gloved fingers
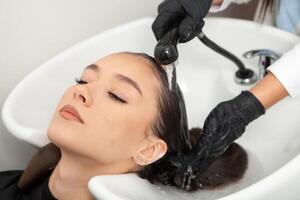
(188,29)
(211,124)
(203,145)
(216,152)
(197,9)
(170,13)
(161,24)
(187,15)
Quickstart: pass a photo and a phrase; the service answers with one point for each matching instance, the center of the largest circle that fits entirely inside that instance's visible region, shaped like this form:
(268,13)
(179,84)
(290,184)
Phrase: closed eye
(116,98)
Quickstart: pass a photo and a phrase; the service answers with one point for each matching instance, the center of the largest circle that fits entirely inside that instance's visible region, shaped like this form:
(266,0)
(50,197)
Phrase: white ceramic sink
(206,78)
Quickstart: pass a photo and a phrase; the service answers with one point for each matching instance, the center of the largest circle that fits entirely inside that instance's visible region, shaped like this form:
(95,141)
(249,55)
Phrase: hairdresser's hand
(227,122)
(186,15)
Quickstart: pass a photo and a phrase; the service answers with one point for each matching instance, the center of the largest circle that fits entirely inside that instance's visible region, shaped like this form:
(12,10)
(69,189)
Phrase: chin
(63,133)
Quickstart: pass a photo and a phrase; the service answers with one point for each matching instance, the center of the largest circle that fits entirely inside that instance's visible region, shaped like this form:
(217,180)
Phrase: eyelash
(113,96)
(80,81)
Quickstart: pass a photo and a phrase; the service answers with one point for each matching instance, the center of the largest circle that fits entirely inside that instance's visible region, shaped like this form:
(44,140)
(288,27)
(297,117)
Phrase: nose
(82,95)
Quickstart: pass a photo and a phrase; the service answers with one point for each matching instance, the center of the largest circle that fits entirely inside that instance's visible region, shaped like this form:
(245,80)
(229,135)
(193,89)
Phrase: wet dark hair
(265,6)
(171,126)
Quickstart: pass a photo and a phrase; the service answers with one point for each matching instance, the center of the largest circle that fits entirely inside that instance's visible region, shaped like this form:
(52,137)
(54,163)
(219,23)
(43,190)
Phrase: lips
(70,113)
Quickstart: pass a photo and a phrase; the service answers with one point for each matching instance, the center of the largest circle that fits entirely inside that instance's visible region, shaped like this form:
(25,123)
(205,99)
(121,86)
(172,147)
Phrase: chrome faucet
(266,58)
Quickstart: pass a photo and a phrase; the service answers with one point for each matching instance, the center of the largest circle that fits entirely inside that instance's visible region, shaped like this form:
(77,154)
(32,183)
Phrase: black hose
(243,72)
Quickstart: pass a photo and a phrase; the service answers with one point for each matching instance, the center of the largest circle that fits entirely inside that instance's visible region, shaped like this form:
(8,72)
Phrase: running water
(171,74)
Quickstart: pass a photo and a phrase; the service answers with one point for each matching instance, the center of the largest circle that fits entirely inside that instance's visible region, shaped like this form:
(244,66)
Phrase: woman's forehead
(123,60)
(134,66)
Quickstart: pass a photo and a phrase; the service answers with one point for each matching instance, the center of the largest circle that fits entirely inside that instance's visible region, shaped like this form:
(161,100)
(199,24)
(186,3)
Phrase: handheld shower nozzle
(165,51)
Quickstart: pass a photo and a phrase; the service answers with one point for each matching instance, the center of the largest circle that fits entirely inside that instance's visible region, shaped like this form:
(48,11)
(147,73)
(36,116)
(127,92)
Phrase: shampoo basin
(206,78)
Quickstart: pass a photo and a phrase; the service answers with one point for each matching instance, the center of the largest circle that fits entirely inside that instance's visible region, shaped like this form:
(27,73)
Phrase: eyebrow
(120,77)
(129,81)
(93,67)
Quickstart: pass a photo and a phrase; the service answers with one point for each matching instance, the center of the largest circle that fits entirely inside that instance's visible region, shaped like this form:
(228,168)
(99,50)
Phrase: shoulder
(8,178)
(8,183)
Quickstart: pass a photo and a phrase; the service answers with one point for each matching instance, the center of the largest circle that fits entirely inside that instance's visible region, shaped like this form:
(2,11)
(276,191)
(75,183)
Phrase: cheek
(64,133)
(117,132)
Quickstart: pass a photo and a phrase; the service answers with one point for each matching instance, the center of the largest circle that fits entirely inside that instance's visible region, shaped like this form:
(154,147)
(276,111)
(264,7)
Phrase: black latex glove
(227,122)
(186,15)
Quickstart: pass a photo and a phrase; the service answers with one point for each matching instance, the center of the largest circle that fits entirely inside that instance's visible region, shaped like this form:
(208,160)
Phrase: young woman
(121,117)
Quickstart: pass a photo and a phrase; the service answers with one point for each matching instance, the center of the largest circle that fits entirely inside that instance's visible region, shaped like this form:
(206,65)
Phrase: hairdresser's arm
(228,120)
(282,79)
(269,90)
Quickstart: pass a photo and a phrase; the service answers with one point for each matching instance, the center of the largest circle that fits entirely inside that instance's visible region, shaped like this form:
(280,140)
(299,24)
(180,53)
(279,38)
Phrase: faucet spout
(266,58)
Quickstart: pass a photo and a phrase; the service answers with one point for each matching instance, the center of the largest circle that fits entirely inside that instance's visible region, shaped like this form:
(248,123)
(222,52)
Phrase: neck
(69,180)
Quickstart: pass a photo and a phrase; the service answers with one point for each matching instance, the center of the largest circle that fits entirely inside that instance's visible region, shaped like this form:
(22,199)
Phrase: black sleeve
(8,185)
(10,191)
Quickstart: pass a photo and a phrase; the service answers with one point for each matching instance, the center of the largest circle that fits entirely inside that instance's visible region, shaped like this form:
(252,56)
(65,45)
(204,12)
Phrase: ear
(154,149)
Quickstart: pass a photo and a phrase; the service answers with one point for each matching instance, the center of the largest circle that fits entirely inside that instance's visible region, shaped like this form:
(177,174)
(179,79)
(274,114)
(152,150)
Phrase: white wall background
(33,31)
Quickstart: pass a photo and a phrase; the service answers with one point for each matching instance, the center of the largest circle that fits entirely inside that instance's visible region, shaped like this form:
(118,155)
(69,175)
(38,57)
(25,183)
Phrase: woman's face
(117,105)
